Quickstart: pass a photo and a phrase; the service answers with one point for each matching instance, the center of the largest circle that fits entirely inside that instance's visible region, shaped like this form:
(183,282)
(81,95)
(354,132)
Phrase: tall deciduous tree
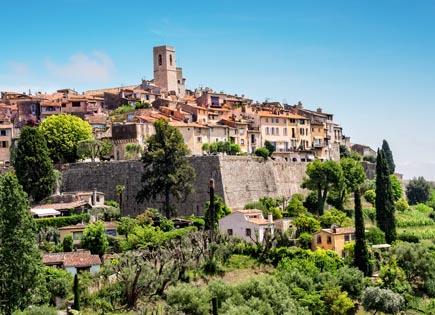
(388,156)
(166,169)
(63,132)
(33,166)
(21,276)
(384,199)
(95,239)
(322,177)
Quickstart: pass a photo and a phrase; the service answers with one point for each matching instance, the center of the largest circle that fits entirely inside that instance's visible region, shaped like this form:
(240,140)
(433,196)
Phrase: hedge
(61,221)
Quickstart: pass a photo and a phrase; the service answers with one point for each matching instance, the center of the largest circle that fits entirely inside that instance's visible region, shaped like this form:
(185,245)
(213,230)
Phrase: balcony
(318,145)
(254,128)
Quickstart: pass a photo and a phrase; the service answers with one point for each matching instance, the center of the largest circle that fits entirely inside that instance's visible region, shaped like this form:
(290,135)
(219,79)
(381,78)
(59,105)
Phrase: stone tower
(165,69)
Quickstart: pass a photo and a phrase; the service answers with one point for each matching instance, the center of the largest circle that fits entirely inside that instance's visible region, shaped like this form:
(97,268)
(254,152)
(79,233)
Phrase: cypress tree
(384,199)
(33,166)
(76,292)
(362,259)
(388,157)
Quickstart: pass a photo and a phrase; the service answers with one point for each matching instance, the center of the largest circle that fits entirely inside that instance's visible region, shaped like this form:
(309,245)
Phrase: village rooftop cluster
(202,116)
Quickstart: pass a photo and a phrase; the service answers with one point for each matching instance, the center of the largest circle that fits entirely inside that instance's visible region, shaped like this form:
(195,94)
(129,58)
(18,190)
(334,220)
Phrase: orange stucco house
(333,239)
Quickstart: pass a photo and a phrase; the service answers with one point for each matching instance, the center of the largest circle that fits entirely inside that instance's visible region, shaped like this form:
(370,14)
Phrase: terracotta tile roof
(290,115)
(62,206)
(340,230)
(96,119)
(73,259)
(250,211)
(258,221)
(51,103)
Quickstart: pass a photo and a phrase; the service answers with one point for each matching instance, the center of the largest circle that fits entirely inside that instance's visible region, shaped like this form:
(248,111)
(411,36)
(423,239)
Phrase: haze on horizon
(369,63)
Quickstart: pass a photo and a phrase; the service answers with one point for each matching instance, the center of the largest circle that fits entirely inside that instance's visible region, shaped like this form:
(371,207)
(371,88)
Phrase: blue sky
(370,63)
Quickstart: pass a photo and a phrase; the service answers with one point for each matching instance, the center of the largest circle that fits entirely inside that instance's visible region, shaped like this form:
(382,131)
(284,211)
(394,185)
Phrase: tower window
(170,60)
(160,60)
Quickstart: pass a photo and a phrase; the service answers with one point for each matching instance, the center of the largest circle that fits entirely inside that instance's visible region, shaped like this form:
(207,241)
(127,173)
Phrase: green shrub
(61,221)
(402,205)
(370,196)
(68,244)
(198,222)
(122,110)
(262,152)
(408,237)
(304,240)
(421,207)
(38,310)
(375,236)
(413,217)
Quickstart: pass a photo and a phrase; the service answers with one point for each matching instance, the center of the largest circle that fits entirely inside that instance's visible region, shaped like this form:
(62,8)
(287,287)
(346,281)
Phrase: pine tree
(362,259)
(33,166)
(384,199)
(21,277)
(167,171)
(388,157)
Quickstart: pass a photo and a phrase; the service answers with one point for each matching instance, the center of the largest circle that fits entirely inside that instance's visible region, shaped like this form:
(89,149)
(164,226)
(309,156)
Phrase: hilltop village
(203,116)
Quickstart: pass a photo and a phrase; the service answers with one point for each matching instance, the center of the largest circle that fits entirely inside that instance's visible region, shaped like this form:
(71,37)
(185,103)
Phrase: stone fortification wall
(238,180)
(248,179)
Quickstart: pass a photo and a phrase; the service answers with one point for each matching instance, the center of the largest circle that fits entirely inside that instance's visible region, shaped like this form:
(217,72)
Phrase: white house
(247,225)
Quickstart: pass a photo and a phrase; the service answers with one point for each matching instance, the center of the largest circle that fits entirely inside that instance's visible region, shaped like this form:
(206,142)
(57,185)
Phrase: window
(292,120)
(241,131)
(77,235)
(75,104)
(230,232)
(242,141)
(285,131)
(4,144)
(347,237)
(170,60)
(329,240)
(199,139)
(277,120)
(160,60)
(248,232)
(273,130)
(111,232)
(301,131)
(352,237)
(302,121)
(267,119)
(293,133)
(4,132)
(198,130)
(319,239)
(267,130)
(277,131)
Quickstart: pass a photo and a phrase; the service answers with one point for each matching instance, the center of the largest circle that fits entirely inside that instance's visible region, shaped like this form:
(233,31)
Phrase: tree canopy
(21,275)
(167,171)
(33,166)
(95,239)
(418,190)
(322,177)
(62,133)
(220,210)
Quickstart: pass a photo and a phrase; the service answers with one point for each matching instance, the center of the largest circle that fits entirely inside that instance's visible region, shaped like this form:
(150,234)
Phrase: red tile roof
(73,259)
(340,230)
(62,206)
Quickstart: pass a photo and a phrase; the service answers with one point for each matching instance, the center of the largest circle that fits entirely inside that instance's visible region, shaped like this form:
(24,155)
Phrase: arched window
(160,60)
(170,60)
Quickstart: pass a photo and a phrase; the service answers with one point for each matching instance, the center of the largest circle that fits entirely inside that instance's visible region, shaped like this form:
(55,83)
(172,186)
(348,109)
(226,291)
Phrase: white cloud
(84,67)
(18,68)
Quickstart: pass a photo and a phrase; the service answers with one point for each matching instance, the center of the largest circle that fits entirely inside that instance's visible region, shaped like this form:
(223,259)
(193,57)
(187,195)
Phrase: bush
(402,205)
(421,207)
(263,152)
(198,222)
(122,110)
(370,196)
(61,221)
(407,237)
(38,310)
(304,240)
(68,244)
(375,236)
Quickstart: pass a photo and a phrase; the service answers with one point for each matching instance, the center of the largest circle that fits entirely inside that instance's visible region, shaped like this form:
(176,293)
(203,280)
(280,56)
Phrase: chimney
(270,217)
(94,197)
